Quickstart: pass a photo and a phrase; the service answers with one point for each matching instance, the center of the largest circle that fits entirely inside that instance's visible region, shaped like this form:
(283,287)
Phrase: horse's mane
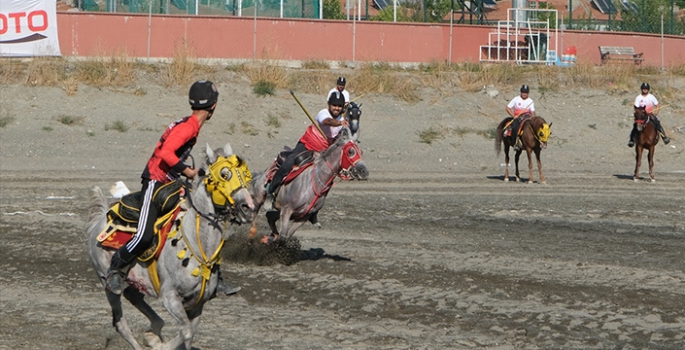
(342,139)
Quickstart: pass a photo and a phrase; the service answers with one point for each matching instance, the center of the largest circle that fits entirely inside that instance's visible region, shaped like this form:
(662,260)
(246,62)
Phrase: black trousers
(285,168)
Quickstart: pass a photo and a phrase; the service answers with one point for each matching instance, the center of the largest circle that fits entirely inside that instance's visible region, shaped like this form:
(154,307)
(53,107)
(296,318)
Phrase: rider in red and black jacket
(165,165)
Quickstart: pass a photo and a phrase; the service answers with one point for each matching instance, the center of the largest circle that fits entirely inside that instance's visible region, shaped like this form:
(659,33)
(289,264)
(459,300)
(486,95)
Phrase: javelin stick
(308,115)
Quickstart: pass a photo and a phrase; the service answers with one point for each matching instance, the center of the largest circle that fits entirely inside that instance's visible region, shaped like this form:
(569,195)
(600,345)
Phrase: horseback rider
(651,106)
(165,165)
(519,106)
(340,87)
(331,121)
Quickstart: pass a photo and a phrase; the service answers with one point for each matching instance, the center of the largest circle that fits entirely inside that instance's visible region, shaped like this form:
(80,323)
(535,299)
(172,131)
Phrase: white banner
(28,28)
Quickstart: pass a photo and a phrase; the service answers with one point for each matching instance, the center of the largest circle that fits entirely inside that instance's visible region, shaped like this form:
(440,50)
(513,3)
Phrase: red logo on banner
(35,21)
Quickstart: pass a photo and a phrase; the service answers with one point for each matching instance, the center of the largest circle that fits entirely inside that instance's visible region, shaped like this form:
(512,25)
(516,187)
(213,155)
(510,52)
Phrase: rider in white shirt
(520,106)
(647,100)
(340,87)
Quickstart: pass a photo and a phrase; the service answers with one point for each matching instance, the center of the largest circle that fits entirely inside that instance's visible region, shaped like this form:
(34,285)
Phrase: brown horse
(646,137)
(534,135)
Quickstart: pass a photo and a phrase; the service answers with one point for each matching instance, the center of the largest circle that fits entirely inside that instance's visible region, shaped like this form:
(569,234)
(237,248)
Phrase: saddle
(302,161)
(507,128)
(123,219)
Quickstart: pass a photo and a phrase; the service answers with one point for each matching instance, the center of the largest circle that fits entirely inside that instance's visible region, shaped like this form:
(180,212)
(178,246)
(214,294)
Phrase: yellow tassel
(206,272)
(196,272)
(181,254)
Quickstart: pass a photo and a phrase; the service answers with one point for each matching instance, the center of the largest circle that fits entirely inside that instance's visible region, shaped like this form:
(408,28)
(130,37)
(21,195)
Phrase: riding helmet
(342,81)
(644,86)
(203,95)
(336,99)
(525,88)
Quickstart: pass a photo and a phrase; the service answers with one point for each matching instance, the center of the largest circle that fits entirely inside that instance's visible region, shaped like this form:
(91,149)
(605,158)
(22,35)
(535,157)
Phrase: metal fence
(263,8)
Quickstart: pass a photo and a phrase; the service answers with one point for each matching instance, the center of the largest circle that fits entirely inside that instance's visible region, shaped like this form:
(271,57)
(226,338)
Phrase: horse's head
(542,132)
(353,114)
(227,180)
(352,166)
(641,117)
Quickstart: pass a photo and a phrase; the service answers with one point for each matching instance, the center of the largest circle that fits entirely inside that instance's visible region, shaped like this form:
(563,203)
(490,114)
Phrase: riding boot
(660,129)
(631,143)
(118,270)
(225,288)
(271,192)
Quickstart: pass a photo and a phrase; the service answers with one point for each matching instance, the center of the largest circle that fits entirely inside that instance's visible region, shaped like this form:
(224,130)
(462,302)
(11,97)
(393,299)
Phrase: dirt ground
(435,251)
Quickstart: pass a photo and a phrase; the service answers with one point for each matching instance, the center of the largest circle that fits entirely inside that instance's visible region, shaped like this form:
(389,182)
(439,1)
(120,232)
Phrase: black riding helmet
(336,99)
(525,88)
(203,95)
(342,81)
(644,86)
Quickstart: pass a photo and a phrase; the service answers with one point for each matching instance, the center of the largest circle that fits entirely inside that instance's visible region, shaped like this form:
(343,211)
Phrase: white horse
(299,200)
(185,274)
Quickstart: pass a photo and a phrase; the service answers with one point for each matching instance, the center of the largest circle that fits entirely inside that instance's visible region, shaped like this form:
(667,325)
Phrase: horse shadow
(625,177)
(511,178)
(314,254)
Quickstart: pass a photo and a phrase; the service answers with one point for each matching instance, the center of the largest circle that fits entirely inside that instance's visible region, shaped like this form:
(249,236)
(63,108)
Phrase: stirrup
(666,140)
(631,143)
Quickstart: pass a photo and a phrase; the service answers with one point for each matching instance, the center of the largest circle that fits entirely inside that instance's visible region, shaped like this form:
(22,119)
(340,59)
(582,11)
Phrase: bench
(620,54)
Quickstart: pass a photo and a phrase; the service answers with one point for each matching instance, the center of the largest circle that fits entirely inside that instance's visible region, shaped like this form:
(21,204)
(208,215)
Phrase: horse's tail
(97,209)
(499,137)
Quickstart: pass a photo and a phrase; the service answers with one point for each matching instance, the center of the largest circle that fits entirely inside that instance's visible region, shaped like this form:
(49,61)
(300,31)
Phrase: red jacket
(167,161)
(314,141)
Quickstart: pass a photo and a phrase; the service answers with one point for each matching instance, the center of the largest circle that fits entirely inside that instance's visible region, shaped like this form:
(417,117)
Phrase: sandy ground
(435,251)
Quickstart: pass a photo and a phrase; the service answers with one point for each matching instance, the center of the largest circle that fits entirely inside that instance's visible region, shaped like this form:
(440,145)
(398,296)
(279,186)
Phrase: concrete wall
(88,34)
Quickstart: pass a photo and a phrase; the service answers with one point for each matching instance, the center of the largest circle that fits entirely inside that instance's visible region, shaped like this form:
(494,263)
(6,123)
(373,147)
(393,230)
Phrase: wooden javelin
(307,113)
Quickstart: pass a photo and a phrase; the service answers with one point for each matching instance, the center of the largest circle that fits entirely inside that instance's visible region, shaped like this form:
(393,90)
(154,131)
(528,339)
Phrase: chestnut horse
(534,135)
(646,137)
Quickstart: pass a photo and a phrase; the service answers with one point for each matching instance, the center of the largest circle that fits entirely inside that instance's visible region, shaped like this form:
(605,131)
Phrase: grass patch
(273,121)
(6,120)
(70,120)
(263,88)
(430,135)
(248,129)
(115,71)
(118,125)
(592,126)
(11,70)
(47,128)
(46,71)
(316,64)
(184,69)
(267,72)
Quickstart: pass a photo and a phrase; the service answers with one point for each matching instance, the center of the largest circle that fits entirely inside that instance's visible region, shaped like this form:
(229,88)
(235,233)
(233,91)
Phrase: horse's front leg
(119,321)
(537,156)
(154,334)
(516,160)
(271,218)
(530,165)
(638,160)
(650,158)
(173,303)
(287,226)
(506,163)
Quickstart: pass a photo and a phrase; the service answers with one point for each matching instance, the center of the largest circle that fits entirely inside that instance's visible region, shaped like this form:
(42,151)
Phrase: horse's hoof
(635,179)
(518,180)
(253,232)
(530,181)
(268,239)
(653,180)
(543,182)
(152,340)
(506,179)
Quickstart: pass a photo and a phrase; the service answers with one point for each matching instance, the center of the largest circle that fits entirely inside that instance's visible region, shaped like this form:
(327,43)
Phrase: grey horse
(185,274)
(299,200)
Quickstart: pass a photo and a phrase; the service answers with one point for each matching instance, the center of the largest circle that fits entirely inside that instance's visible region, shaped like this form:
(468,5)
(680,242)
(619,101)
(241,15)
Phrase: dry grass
(184,68)
(11,71)
(314,82)
(114,71)
(120,73)
(47,71)
(267,71)
(315,64)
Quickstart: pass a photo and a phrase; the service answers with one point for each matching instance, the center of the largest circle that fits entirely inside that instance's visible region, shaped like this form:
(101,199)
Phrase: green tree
(332,10)
(404,14)
(647,19)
